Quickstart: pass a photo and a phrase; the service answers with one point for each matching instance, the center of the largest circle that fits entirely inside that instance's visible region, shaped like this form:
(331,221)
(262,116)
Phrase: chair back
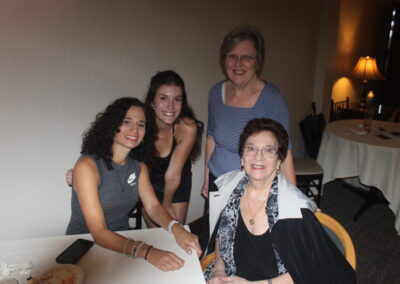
(206,260)
(339,109)
(136,214)
(312,128)
(339,236)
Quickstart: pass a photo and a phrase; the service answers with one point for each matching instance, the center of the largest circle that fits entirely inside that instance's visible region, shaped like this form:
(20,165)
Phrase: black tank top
(162,163)
(254,254)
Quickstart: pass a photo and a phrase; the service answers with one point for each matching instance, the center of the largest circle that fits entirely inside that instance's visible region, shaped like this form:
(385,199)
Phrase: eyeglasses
(268,152)
(246,59)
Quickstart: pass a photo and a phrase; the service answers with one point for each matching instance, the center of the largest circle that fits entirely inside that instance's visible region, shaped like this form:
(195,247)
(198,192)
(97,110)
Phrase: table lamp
(366,70)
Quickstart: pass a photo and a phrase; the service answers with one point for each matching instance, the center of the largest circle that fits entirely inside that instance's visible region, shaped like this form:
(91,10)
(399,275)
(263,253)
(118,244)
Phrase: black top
(309,254)
(157,175)
(254,255)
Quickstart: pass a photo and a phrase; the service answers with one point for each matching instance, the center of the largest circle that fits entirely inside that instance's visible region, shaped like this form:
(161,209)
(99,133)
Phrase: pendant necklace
(251,220)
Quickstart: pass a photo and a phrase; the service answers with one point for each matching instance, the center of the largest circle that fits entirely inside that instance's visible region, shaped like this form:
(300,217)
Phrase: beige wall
(62,61)
(362,27)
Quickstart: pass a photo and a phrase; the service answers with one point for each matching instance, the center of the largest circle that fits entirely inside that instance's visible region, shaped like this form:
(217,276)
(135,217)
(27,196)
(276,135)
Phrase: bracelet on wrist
(125,246)
(137,250)
(147,252)
(135,247)
(171,223)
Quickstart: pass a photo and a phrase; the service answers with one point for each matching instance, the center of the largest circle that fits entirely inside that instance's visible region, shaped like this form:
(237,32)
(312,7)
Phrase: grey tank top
(118,193)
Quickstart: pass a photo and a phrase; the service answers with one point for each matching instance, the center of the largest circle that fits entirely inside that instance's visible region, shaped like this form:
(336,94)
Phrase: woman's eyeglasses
(267,152)
(246,59)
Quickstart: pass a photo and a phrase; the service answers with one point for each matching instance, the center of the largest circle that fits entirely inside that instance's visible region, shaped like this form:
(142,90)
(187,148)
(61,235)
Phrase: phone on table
(74,252)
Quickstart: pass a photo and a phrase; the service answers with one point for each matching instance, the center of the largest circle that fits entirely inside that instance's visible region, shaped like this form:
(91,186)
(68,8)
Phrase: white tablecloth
(346,151)
(102,266)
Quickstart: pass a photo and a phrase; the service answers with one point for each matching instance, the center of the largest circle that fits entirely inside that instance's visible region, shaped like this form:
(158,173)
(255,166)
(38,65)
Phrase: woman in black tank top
(178,143)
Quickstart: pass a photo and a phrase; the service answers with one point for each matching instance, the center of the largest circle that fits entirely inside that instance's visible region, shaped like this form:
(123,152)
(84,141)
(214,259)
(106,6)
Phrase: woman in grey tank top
(108,179)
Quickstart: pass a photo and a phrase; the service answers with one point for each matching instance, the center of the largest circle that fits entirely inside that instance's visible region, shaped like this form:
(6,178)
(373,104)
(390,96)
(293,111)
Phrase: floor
(376,241)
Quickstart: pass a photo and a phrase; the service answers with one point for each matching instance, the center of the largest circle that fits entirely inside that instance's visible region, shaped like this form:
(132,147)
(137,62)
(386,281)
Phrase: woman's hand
(216,278)
(186,240)
(164,260)
(204,189)
(68,177)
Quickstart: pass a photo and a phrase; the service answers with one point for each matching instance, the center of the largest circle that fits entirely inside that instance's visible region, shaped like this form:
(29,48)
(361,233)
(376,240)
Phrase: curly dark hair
(257,125)
(171,78)
(237,35)
(98,139)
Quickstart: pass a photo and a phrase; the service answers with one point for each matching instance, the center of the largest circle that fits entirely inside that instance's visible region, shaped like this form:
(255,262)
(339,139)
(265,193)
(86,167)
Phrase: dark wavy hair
(98,139)
(257,125)
(237,35)
(171,78)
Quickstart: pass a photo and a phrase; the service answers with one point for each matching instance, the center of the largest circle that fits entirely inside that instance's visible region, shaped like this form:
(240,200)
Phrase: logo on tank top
(131,179)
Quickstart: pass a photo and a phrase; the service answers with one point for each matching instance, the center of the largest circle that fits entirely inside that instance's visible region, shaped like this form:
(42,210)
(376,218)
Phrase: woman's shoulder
(185,126)
(271,89)
(216,89)
(85,161)
(291,200)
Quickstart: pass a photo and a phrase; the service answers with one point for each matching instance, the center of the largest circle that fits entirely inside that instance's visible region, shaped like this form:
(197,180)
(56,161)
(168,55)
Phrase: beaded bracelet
(147,252)
(135,247)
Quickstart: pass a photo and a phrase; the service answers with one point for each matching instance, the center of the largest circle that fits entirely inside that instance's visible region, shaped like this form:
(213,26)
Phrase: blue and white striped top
(226,123)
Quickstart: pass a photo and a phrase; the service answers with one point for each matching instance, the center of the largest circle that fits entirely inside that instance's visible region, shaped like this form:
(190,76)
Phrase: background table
(345,152)
(103,266)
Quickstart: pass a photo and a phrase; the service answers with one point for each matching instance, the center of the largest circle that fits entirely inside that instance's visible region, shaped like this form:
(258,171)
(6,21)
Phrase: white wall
(62,61)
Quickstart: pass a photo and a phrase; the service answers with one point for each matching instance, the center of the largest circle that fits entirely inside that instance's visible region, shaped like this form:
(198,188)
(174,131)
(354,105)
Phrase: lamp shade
(367,69)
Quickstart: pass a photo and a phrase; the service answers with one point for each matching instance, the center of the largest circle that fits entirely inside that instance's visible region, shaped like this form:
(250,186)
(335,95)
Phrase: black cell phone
(74,252)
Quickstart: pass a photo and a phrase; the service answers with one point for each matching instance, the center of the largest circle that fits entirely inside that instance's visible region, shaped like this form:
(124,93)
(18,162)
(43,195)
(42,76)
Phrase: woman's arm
(288,168)
(210,145)
(86,181)
(218,271)
(185,135)
(159,214)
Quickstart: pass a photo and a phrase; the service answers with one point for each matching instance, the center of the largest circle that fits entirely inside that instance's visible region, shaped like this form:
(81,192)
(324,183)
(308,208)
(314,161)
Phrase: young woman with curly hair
(177,145)
(109,180)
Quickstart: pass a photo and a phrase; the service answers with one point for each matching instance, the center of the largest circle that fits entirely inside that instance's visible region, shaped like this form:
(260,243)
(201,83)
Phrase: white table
(345,152)
(103,266)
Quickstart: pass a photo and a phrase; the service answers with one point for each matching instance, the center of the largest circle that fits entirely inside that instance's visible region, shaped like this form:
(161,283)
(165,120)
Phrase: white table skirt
(103,266)
(345,152)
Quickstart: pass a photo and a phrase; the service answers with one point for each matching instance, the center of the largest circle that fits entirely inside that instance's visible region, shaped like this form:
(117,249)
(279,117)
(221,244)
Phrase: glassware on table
(369,112)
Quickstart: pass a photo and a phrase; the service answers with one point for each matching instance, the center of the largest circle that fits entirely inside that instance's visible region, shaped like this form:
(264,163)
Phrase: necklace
(251,220)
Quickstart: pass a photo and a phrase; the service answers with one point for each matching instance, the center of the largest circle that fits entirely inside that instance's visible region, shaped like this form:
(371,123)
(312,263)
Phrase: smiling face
(242,72)
(132,130)
(257,160)
(167,104)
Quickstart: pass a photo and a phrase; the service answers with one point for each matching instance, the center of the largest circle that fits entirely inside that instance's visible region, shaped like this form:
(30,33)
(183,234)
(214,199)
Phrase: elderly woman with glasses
(267,231)
(244,95)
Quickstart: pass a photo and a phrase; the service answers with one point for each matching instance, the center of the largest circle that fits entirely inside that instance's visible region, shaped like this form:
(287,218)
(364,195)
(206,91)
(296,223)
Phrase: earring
(241,165)
(278,170)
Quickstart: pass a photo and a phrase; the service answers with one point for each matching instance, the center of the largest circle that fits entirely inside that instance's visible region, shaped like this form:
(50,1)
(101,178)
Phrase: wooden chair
(137,215)
(339,109)
(336,231)
(339,235)
(206,260)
